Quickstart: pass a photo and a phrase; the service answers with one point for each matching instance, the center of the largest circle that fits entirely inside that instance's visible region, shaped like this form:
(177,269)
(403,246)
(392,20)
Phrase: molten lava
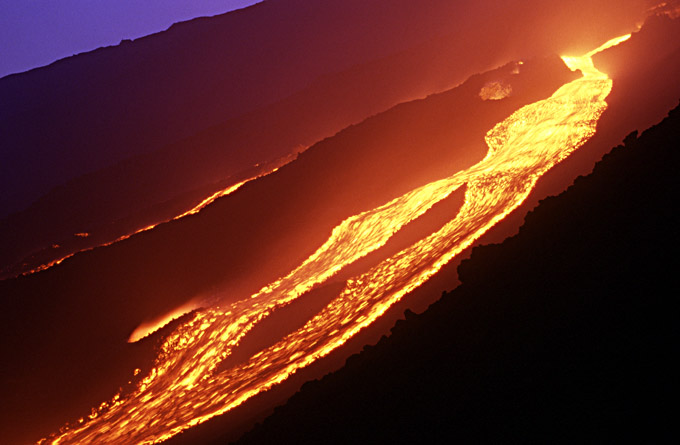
(186,387)
(149,327)
(197,208)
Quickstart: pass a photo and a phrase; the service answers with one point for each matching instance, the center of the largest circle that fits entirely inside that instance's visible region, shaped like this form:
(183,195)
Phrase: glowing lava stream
(186,388)
(197,208)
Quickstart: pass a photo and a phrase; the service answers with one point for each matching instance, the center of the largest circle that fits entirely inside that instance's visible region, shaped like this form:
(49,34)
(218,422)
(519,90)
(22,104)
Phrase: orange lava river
(187,387)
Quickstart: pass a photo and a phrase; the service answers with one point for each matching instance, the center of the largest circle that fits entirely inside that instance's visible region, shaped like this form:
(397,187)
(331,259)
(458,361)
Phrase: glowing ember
(495,90)
(210,199)
(149,327)
(185,387)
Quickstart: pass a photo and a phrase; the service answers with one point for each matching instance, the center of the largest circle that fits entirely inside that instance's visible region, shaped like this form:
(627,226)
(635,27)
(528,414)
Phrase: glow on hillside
(186,387)
(197,208)
(149,327)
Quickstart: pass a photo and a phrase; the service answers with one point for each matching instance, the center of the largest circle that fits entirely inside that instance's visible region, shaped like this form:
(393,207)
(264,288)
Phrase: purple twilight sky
(35,33)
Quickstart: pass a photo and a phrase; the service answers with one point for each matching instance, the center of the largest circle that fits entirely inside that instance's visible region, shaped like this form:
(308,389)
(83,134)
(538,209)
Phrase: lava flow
(187,387)
(197,208)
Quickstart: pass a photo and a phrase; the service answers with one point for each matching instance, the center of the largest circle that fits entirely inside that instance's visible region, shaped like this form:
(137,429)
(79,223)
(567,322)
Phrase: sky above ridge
(37,32)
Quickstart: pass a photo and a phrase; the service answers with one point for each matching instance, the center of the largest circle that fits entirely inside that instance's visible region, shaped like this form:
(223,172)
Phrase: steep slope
(233,247)
(87,135)
(562,333)
(116,101)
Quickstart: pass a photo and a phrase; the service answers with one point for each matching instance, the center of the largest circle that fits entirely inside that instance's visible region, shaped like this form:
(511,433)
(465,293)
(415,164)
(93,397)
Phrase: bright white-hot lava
(149,327)
(186,387)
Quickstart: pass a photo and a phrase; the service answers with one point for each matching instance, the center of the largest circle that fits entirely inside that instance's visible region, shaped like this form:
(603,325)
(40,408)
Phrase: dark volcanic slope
(87,111)
(565,332)
(109,134)
(69,324)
